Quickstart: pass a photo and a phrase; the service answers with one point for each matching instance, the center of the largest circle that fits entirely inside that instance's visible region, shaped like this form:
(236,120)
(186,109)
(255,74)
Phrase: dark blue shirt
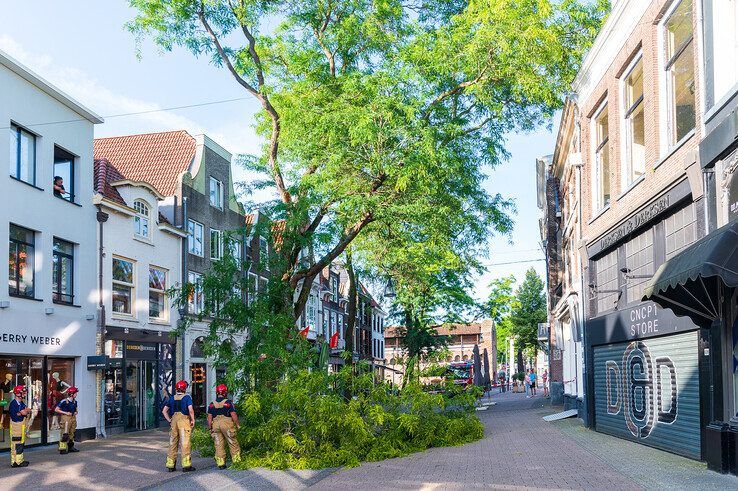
(68,406)
(179,406)
(226,410)
(14,410)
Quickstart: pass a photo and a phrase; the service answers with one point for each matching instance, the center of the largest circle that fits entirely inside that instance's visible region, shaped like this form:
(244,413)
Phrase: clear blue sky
(83,48)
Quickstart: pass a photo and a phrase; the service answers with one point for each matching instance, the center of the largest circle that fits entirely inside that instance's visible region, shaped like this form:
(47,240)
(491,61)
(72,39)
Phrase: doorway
(198,372)
(140,394)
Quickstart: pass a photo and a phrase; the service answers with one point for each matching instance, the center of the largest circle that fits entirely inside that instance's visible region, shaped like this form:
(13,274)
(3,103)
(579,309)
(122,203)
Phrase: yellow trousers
(68,427)
(224,431)
(17,441)
(179,432)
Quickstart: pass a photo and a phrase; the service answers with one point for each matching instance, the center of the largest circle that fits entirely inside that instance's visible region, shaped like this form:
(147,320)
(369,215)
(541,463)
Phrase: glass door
(59,377)
(133,415)
(31,374)
(198,372)
(7,382)
(114,397)
(147,395)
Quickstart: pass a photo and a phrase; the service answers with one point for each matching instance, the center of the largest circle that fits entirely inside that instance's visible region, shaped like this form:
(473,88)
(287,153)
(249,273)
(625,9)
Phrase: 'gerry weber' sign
(645,320)
(9,337)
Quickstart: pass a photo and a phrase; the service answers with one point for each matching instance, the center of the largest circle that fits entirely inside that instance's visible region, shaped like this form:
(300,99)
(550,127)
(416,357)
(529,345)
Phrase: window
(602,159)
(63,174)
(312,312)
(326,328)
(216,193)
(216,244)
(722,22)
(157,293)
(680,72)
(334,288)
(680,230)
(264,252)
(22,155)
(333,325)
(195,299)
(252,285)
(606,286)
(60,376)
(235,247)
(141,221)
(63,272)
(194,237)
(635,136)
(263,285)
(123,286)
(639,264)
(21,262)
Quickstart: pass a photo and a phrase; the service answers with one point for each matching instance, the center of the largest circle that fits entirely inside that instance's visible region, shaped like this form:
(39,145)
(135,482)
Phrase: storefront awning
(691,283)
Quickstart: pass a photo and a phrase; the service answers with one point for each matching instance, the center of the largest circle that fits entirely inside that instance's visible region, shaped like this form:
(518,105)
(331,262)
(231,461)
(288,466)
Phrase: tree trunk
(350,333)
(520,360)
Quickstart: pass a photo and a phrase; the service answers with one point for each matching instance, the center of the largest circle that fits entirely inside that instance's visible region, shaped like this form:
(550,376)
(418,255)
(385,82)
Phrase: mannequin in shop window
(57,390)
(6,395)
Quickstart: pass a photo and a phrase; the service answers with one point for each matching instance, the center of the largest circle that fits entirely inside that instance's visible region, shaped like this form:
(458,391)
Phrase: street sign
(97,362)
(543,331)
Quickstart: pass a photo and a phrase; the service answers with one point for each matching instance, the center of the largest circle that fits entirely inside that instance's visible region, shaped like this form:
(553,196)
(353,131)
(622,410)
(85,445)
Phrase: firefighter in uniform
(181,415)
(67,409)
(223,423)
(18,417)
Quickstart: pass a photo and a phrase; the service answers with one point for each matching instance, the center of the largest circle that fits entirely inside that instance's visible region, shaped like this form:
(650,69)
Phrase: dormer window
(216,193)
(141,220)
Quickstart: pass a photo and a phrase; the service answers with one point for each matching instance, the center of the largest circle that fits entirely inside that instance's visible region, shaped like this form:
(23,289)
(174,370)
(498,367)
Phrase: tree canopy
(528,310)
(381,118)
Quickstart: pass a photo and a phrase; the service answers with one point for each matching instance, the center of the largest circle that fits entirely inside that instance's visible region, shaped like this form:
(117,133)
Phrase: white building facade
(47,311)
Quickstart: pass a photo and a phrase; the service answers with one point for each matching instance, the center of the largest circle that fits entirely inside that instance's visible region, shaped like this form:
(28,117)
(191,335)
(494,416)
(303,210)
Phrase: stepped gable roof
(155,158)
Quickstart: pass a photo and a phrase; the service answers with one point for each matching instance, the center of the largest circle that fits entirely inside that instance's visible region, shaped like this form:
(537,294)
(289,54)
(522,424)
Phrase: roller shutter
(648,391)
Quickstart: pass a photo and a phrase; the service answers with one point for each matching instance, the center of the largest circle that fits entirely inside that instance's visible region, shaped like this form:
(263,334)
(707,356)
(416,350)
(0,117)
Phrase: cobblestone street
(519,451)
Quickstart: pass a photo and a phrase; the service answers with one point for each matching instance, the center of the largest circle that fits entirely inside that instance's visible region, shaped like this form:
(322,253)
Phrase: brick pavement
(519,451)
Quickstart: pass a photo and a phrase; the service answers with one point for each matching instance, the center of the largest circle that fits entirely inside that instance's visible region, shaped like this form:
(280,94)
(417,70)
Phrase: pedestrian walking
(181,416)
(67,410)
(532,378)
(502,377)
(527,384)
(18,413)
(223,424)
(544,378)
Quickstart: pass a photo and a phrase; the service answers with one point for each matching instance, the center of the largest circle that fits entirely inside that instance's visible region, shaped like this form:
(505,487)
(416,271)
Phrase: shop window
(216,193)
(63,174)
(60,377)
(22,155)
(680,230)
(639,263)
(123,286)
(635,135)
(141,220)
(602,158)
(21,262)
(157,294)
(194,238)
(63,272)
(679,67)
(195,297)
(216,244)
(606,286)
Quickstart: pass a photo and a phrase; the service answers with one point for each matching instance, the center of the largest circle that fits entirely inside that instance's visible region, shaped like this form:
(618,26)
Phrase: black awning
(691,282)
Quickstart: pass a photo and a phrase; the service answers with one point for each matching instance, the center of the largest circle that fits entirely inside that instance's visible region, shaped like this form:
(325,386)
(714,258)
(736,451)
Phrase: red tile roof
(442,330)
(105,174)
(155,158)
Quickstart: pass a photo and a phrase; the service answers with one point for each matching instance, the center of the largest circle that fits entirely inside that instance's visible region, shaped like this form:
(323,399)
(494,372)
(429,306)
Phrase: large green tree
(380,115)
(529,309)
(499,305)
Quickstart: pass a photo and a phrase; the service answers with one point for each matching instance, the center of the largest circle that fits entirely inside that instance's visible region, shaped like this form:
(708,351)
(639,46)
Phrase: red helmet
(221,390)
(19,390)
(72,390)
(181,386)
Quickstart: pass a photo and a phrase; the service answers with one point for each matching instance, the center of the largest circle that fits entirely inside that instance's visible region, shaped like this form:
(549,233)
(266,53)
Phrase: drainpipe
(183,310)
(102,217)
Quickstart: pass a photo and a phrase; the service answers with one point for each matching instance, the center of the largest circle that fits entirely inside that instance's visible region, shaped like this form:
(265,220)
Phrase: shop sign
(141,351)
(642,321)
(543,331)
(97,362)
(17,338)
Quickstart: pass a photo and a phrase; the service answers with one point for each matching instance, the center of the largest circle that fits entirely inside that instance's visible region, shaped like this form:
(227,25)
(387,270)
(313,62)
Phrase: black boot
(22,464)
(63,452)
(221,467)
(188,469)
(72,449)
(171,469)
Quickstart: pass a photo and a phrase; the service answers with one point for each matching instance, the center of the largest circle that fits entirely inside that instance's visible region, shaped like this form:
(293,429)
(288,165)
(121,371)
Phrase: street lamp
(389,289)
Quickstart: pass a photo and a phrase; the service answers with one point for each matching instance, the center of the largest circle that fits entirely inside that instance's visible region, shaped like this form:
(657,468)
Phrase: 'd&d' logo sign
(637,386)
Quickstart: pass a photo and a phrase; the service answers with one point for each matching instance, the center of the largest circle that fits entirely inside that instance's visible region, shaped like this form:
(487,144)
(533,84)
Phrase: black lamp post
(389,289)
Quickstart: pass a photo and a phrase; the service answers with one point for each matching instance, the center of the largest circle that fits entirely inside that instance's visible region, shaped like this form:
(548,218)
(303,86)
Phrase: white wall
(38,210)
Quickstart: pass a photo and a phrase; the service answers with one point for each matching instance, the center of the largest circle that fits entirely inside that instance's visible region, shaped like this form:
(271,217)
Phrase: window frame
(32,246)
(56,259)
(60,154)
(219,234)
(197,305)
(599,201)
(165,306)
(667,64)
(19,130)
(191,237)
(141,218)
(628,176)
(124,284)
(220,195)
